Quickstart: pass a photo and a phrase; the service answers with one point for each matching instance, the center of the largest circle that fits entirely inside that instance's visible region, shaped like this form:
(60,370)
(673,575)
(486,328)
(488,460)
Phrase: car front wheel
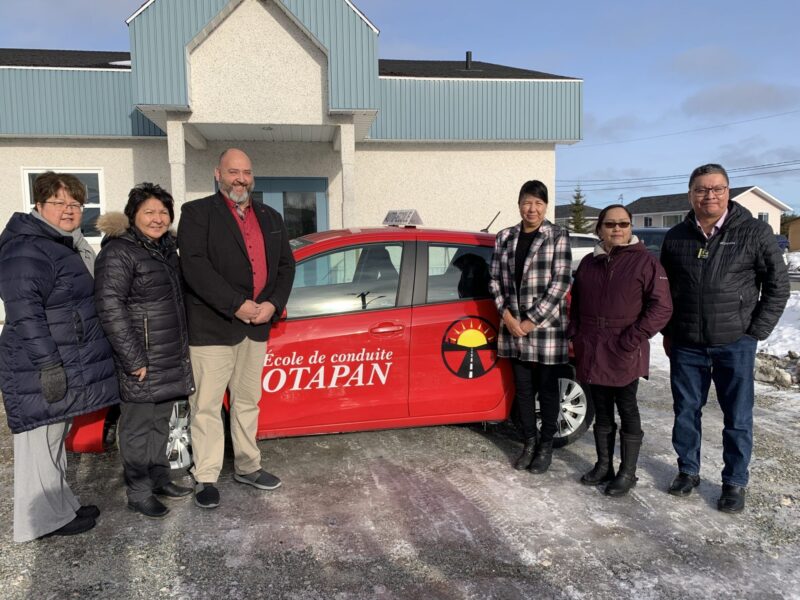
(179,443)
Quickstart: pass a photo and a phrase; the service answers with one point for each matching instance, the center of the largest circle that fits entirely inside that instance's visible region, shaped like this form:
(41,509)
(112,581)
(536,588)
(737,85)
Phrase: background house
(668,210)
(590,214)
(793,233)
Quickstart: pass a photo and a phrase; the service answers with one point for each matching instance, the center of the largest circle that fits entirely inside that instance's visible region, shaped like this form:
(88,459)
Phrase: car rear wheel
(576,411)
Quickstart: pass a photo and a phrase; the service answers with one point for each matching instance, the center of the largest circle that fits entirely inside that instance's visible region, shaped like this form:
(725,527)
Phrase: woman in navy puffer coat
(55,361)
(140,303)
(620,299)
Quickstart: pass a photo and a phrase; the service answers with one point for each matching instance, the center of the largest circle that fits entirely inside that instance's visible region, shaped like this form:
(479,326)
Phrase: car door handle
(386,328)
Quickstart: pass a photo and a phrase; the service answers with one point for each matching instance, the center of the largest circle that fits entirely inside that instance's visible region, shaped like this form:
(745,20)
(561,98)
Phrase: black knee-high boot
(603,471)
(626,477)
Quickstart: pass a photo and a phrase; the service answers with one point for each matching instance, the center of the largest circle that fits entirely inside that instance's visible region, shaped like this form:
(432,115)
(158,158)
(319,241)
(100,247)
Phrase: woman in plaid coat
(531,272)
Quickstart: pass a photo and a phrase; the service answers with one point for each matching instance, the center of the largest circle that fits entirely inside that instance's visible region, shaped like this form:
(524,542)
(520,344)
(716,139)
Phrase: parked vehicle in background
(581,245)
(386,327)
(652,237)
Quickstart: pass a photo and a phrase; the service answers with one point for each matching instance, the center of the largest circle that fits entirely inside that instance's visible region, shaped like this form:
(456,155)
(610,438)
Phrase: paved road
(436,513)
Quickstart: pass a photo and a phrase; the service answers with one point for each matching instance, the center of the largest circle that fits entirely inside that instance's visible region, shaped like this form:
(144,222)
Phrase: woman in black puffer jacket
(140,304)
(55,362)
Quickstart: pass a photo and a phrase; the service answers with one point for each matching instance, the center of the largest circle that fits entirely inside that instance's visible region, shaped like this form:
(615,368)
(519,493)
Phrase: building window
(670,220)
(648,221)
(763,217)
(92,179)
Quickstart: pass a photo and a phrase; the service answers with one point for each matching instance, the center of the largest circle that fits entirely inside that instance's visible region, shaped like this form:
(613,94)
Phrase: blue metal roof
(491,103)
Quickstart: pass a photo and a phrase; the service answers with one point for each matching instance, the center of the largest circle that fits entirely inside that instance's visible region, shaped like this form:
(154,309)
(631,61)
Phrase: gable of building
(161,61)
(239,77)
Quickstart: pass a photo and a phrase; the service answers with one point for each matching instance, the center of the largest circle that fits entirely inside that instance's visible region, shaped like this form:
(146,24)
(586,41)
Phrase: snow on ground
(794,261)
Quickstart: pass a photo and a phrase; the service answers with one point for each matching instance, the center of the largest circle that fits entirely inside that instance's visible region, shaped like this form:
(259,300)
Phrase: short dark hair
(708,169)
(144,191)
(49,183)
(535,188)
(602,216)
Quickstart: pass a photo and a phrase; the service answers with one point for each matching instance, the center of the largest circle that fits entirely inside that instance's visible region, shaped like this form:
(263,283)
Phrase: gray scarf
(79,242)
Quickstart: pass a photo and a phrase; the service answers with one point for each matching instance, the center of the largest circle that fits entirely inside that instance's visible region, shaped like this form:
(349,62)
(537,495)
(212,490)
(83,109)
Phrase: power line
(666,177)
(663,135)
(655,185)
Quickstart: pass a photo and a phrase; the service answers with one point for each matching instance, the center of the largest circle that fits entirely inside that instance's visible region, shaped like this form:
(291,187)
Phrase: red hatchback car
(385,327)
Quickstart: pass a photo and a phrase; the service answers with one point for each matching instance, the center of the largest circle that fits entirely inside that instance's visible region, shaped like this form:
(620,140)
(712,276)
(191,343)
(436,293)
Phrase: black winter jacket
(50,320)
(140,304)
(736,283)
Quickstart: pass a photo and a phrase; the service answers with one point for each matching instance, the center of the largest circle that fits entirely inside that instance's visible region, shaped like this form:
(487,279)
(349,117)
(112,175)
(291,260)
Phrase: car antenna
(486,229)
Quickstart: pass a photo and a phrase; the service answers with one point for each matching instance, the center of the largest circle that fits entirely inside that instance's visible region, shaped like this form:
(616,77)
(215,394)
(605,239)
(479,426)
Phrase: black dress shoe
(90,510)
(149,507)
(683,484)
(171,490)
(74,527)
(732,498)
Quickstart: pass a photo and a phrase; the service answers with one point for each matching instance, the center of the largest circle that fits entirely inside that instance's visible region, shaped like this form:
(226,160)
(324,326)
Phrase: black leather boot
(526,457)
(542,457)
(626,477)
(603,471)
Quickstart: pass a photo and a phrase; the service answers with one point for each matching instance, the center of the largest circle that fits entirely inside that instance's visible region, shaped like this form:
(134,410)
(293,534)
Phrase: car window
(458,272)
(352,279)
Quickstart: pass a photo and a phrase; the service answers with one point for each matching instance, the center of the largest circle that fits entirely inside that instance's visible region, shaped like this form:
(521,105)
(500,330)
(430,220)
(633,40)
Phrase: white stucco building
(337,136)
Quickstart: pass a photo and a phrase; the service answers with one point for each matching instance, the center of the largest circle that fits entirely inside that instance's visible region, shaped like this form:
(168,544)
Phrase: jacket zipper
(146,335)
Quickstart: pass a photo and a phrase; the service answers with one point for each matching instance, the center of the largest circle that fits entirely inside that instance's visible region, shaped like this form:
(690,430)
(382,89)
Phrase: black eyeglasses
(60,205)
(702,192)
(620,224)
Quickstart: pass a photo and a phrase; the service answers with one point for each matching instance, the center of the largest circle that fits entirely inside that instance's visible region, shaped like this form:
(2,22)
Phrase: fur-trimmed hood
(113,224)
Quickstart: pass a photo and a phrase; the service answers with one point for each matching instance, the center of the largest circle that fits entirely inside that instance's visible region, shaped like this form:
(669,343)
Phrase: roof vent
(469,60)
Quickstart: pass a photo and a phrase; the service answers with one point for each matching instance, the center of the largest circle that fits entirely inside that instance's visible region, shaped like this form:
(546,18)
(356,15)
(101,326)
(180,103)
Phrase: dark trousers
(143,435)
(730,367)
(605,398)
(532,379)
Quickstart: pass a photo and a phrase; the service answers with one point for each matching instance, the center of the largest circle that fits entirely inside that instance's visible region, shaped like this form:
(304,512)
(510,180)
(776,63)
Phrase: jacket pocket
(78,324)
(146,331)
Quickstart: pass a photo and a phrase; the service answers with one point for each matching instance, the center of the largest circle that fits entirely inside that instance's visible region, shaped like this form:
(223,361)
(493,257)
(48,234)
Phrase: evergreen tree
(577,222)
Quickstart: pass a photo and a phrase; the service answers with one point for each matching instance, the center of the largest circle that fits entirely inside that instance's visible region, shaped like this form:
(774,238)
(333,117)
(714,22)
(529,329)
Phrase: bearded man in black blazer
(238,269)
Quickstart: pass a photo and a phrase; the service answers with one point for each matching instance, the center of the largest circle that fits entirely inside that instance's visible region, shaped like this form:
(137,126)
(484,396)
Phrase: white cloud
(742,99)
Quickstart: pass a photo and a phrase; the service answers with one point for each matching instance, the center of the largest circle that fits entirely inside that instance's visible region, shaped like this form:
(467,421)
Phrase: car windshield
(652,239)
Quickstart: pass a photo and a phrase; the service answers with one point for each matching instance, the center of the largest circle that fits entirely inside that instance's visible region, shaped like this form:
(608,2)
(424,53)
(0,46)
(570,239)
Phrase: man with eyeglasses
(729,287)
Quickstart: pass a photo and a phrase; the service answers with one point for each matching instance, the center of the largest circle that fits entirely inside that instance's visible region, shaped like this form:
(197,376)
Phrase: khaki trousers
(239,369)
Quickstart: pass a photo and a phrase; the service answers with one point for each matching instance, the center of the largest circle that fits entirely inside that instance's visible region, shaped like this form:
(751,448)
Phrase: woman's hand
(512,324)
(527,326)
(140,373)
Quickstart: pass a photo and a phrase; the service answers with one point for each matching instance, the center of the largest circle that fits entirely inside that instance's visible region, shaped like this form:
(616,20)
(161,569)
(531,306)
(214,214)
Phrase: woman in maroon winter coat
(620,299)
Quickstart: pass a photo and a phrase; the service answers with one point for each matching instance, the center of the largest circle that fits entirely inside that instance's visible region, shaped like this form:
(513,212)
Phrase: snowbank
(794,261)
(786,335)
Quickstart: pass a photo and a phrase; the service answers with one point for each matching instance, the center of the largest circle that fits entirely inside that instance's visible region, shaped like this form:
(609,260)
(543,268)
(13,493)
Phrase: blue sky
(724,73)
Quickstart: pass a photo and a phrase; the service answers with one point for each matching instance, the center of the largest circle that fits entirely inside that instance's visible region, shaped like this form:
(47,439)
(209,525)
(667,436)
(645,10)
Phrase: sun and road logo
(469,347)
